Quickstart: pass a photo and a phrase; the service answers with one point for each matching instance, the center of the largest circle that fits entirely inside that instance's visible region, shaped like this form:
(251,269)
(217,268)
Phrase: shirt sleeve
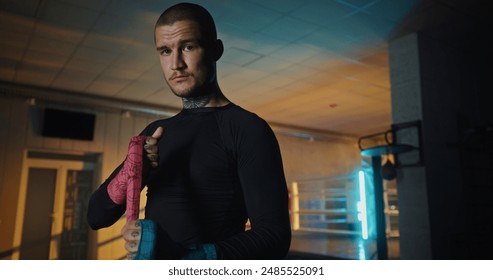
(102,211)
(262,179)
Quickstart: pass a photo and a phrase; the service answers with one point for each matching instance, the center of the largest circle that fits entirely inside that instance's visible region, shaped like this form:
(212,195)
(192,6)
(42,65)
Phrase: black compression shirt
(217,167)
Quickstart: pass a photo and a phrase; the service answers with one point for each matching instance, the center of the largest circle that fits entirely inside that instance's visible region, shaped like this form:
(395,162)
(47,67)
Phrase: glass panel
(75,234)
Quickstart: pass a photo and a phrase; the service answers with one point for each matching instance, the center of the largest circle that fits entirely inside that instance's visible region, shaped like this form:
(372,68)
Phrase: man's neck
(196,101)
(214,99)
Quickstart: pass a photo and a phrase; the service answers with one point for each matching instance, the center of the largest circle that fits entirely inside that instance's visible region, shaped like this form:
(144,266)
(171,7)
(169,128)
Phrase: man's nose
(177,61)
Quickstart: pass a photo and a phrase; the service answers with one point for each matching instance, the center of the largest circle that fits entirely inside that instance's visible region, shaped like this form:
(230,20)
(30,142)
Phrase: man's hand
(131,233)
(150,146)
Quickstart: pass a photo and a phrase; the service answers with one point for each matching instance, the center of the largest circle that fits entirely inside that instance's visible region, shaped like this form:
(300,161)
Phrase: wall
(112,131)
(305,158)
(438,76)
(302,158)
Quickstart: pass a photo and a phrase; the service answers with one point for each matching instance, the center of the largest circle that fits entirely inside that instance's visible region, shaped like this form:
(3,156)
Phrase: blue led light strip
(362,216)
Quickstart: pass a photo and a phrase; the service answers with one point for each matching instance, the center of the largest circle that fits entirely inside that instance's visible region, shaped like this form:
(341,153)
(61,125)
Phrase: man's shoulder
(151,127)
(235,112)
(238,119)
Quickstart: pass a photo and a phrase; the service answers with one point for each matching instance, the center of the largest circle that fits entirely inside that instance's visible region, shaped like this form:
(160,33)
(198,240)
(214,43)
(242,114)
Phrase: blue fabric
(201,252)
(147,243)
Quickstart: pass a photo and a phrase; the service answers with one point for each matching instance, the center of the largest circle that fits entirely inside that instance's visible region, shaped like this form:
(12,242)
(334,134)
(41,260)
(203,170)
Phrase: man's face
(184,62)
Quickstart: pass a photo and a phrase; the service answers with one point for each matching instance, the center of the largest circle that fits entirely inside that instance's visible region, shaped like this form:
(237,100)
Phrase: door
(54,195)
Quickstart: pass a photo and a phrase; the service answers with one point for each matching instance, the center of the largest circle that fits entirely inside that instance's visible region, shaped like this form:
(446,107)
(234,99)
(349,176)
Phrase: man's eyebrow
(180,42)
(160,48)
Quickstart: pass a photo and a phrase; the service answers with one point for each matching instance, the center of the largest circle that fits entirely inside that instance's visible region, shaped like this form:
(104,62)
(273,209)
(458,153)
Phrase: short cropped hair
(193,12)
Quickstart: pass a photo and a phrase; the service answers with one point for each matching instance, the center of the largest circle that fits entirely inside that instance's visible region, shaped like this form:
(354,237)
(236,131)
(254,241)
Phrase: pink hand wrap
(128,182)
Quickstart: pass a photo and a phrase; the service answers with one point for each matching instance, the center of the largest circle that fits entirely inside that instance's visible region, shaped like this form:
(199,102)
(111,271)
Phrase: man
(208,169)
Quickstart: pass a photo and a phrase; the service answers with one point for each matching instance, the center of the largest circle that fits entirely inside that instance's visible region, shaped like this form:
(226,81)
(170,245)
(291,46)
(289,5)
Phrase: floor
(307,245)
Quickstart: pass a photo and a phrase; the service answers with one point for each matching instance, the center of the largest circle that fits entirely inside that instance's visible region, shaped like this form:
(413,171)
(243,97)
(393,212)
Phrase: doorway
(51,215)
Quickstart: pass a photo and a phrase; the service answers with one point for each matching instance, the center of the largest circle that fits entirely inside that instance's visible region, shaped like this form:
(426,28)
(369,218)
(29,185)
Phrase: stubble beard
(198,95)
(195,97)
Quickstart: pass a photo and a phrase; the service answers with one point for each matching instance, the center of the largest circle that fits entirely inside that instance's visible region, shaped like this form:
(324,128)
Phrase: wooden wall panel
(4,125)
(126,131)
(97,144)
(52,143)
(34,139)
(5,111)
(111,158)
(139,124)
(14,154)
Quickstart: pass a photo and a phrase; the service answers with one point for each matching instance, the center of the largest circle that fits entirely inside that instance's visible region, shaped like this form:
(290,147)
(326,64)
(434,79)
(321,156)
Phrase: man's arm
(260,170)
(102,211)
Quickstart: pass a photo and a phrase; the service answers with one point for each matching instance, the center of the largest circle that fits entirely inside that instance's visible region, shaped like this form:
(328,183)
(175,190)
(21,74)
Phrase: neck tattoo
(196,102)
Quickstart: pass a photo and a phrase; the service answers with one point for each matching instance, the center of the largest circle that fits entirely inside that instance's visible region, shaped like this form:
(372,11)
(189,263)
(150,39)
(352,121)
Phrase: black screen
(68,124)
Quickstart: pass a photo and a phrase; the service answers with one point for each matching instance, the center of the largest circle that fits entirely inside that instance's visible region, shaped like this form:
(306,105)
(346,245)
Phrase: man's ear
(218,50)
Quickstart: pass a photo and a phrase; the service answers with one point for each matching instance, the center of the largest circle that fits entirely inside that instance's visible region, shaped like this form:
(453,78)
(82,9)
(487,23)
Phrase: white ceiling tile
(59,33)
(238,77)
(289,29)
(164,97)
(363,29)
(296,52)
(101,56)
(110,24)
(225,69)
(7,74)
(247,16)
(25,8)
(268,64)
(13,45)
(138,61)
(282,6)
(50,46)
(105,42)
(297,72)
(276,80)
(331,39)
(68,15)
(323,61)
(84,65)
(15,23)
(7,69)
(33,74)
(45,59)
(134,26)
(391,9)
(106,85)
(239,57)
(378,76)
(322,13)
(378,58)
(251,41)
(95,5)
(127,8)
(357,4)
(146,84)
(127,73)
(299,86)
(74,80)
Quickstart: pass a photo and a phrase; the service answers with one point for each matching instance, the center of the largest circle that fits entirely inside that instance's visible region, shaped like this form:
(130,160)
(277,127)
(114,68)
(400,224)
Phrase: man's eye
(188,48)
(165,51)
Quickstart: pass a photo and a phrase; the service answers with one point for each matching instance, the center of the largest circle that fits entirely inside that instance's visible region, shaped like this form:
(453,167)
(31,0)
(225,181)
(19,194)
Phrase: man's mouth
(179,77)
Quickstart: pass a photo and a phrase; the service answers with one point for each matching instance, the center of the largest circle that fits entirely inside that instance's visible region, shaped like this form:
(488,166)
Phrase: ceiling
(320,65)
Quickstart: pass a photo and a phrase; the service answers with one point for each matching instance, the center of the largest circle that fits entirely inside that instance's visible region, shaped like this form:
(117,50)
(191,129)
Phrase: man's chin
(182,93)
(188,93)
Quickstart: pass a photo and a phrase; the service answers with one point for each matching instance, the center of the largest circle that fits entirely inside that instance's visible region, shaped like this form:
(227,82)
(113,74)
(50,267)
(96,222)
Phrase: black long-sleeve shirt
(218,166)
